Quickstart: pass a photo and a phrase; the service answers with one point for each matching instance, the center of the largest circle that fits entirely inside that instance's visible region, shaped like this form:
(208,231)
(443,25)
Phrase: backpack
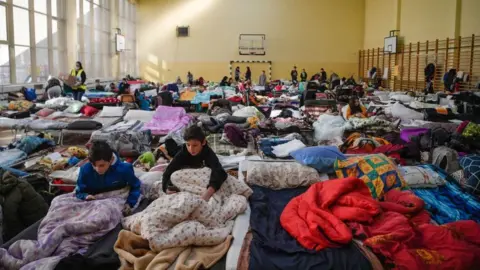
(30,94)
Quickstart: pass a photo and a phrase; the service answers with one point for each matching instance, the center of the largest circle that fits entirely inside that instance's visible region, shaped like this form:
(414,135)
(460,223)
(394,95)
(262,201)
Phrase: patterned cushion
(421,177)
(471,168)
(278,175)
(377,171)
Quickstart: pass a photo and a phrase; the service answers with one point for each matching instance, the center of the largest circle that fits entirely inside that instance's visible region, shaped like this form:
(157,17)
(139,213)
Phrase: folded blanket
(184,218)
(70,226)
(134,253)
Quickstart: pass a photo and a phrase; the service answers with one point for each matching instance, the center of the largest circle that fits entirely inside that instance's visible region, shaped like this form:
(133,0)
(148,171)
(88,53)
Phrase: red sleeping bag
(398,228)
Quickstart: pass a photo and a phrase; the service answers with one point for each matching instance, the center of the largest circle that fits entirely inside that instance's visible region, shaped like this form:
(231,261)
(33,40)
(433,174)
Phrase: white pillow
(403,98)
(141,115)
(420,177)
(109,111)
(284,150)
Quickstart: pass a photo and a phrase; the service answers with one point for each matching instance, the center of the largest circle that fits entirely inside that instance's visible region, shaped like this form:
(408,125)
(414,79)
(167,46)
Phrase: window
(40,6)
(23,64)
(42,70)
(3,23)
(36,49)
(20,3)
(54,8)
(4,65)
(41,30)
(21,26)
(128,59)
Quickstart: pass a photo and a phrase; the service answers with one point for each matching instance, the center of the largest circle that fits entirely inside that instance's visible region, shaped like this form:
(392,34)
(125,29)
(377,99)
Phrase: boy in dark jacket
(105,172)
(22,205)
(195,153)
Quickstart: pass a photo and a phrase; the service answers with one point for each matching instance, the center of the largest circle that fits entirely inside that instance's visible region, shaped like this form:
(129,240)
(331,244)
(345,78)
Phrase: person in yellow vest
(79,88)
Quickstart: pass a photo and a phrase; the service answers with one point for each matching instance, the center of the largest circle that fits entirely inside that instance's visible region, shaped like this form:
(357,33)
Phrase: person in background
(230,81)
(111,88)
(79,88)
(124,87)
(294,75)
(262,80)
(195,153)
(98,86)
(179,81)
(53,88)
(303,76)
(130,78)
(190,78)
(201,81)
(342,81)
(106,172)
(237,74)
(355,109)
(323,75)
(241,86)
(248,74)
(224,81)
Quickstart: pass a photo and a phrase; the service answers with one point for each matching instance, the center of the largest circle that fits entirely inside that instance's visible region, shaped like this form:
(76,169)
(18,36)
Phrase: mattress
(241,226)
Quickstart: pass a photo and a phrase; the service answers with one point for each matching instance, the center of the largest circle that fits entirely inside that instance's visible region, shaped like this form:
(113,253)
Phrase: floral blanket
(70,226)
(184,218)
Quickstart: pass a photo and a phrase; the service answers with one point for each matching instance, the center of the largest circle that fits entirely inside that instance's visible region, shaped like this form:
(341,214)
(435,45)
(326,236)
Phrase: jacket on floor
(118,176)
(21,204)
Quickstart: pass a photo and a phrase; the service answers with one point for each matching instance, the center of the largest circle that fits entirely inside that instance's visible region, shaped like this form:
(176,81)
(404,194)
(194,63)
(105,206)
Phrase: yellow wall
(380,18)
(470,21)
(420,20)
(423,20)
(307,33)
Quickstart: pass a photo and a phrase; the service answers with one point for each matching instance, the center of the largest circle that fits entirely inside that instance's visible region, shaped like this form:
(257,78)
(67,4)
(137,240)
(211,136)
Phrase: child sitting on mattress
(105,172)
(195,153)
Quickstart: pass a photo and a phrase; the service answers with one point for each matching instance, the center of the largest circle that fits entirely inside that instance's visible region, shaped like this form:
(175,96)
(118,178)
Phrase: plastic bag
(327,127)
(249,112)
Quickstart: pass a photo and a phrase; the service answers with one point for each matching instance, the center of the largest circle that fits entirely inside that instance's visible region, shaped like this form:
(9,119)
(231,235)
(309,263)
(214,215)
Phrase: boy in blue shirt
(105,172)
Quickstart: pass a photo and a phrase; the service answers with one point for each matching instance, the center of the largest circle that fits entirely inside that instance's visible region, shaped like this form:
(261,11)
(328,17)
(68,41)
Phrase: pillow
(377,171)
(421,177)
(321,158)
(402,98)
(75,107)
(141,115)
(45,112)
(284,150)
(279,175)
(111,111)
(89,110)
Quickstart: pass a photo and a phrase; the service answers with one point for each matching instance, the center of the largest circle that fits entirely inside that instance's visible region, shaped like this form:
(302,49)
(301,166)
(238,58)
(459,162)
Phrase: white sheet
(240,228)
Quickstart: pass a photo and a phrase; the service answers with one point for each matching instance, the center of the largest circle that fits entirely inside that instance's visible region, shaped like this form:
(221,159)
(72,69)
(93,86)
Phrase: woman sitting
(355,109)
(224,81)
